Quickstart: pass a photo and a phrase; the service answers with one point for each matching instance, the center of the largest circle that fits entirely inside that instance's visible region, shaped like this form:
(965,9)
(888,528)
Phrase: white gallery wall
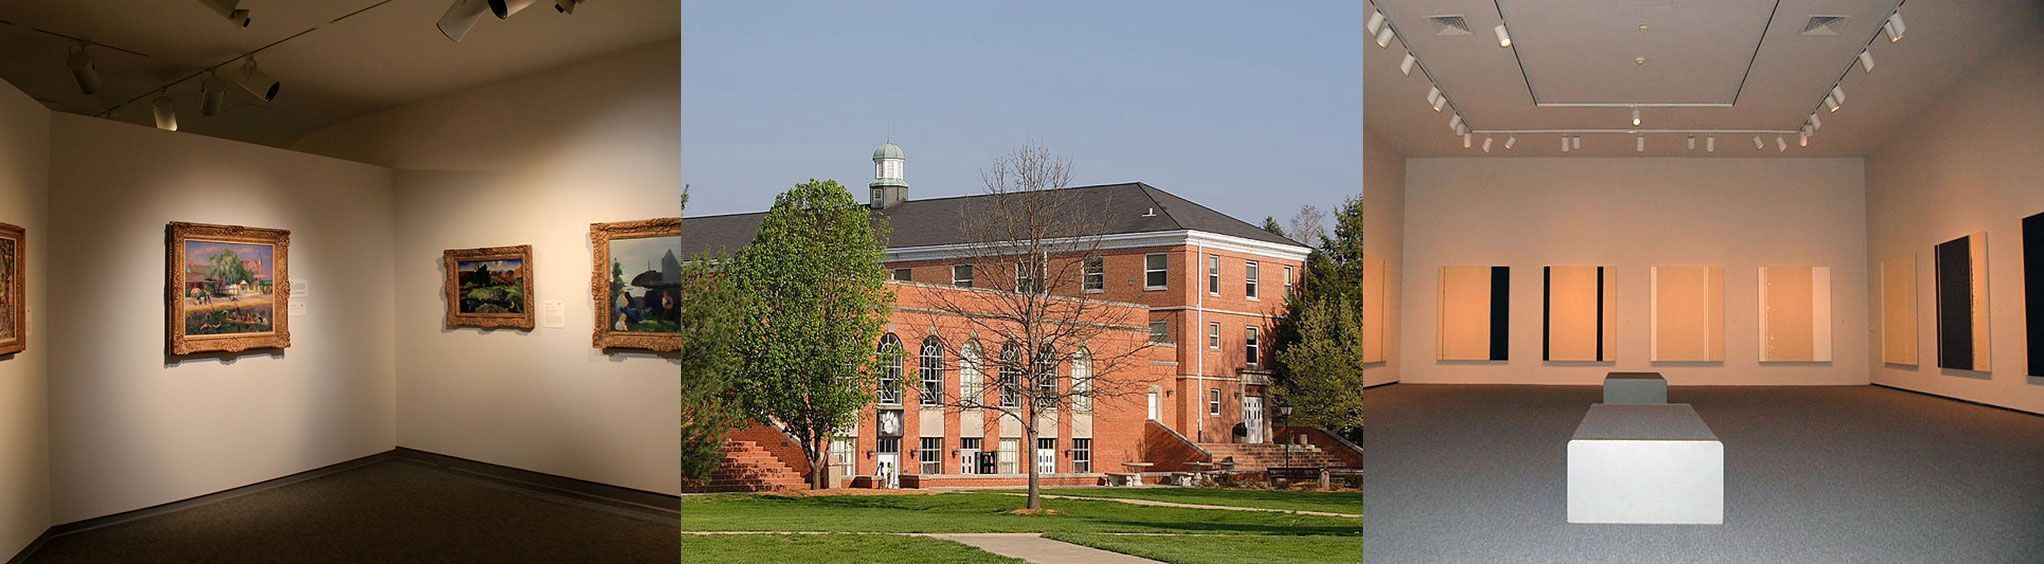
(1632,214)
(131,428)
(1384,235)
(531,160)
(24,377)
(1972,162)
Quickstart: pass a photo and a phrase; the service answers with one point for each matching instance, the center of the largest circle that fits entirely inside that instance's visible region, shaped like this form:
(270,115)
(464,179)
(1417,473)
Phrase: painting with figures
(637,284)
(13,290)
(228,288)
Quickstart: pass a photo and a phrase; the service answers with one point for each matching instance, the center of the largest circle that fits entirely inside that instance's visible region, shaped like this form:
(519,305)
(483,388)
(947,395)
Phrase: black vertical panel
(1955,303)
(2033,289)
(1500,314)
(1546,310)
(1600,313)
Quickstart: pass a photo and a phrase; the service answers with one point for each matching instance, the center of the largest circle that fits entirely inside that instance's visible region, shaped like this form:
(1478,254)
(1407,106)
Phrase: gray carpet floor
(391,511)
(1812,474)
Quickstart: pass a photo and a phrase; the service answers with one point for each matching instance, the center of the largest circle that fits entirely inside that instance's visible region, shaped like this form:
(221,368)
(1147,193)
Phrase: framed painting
(489,287)
(228,288)
(636,284)
(13,289)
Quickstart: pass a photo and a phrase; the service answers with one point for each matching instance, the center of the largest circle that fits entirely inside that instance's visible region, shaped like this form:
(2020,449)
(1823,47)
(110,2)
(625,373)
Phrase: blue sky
(1252,108)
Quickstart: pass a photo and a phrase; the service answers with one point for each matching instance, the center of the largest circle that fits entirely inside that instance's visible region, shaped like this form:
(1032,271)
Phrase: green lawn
(1329,502)
(980,512)
(829,548)
(1231,549)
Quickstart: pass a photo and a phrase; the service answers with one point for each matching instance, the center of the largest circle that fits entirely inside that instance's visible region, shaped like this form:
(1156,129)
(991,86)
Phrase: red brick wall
(1168,452)
(1351,456)
(776,442)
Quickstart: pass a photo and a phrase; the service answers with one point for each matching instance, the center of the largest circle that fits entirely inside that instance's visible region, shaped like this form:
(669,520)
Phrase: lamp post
(1284,420)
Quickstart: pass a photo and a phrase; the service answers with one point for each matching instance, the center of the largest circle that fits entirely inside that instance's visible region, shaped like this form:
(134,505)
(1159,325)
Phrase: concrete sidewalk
(1131,501)
(1034,548)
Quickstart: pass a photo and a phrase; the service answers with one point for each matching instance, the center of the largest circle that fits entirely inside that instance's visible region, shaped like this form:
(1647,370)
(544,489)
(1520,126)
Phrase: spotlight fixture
(212,92)
(1895,27)
(1486,144)
(1639,143)
(82,70)
(257,82)
(1384,37)
(228,9)
(566,6)
(1375,23)
(1758,144)
(1434,98)
(1830,102)
(166,112)
(1465,140)
(505,8)
(1564,143)
(1710,144)
(1455,122)
(1781,142)
(1510,141)
(1866,60)
(1504,39)
(1692,142)
(1635,117)
(1577,142)
(1406,65)
(1838,92)
(461,16)
(1803,140)
(1816,122)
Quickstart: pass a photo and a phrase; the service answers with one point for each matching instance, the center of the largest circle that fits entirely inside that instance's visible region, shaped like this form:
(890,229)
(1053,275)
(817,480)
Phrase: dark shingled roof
(917,223)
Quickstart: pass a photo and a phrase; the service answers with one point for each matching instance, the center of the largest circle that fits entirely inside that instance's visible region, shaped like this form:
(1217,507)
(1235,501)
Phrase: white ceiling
(387,53)
(1746,61)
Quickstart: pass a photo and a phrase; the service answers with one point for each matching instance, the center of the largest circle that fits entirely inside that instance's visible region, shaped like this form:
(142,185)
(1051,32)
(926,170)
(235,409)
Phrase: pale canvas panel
(1374,329)
(1688,314)
(1898,310)
(1980,312)
(1795,312)
(1572,302)
(1465,313)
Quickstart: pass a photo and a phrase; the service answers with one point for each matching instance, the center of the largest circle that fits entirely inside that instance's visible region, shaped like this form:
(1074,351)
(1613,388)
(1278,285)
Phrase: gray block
(1645,464)
(1635,387)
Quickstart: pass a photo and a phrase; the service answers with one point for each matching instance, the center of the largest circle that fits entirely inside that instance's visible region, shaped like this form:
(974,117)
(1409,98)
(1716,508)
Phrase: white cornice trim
(1127,241)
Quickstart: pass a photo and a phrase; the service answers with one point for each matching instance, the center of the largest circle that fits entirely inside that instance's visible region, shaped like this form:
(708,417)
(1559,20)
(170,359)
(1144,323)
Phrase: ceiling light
(1816,122)
(1640,143)
(1486,144)
(1510,141)
(1384,37)
(166,112)
(1808,131)
(1376,22)
(1434,97)
(1564,143)
(1758,144)
(1710,144)
(1692,142)
(226,8)
(1635,117)
(212,92)
(1781,142)
(1455,122)
(1465,140)
(257,82)
(1838,92)
(1866,60)
(505,8)
(1578,142)
(1504,39)
(566,6)
(1831,102)
(82,70)
(461,16)
(1803,140)
(1406,65)
(1895,27)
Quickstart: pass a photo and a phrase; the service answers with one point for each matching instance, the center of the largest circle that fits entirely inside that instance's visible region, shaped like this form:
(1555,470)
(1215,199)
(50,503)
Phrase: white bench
(1635,387)
(1645,463)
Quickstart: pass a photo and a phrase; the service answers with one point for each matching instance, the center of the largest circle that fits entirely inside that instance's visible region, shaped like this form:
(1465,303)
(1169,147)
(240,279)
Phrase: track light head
(229,10)
(166,112)
(1639,143)
(1781,142)
(1577,142)
(1486,144)
(1816,122)
(1455,122)
(257,82)
(1803,140)
(1635,117)
(1866,60)
(1838,92)
(1465,140)
(1895,27)
(1405,66)
(1830,102)
(460,17)
(1692,142)
(1510,141)
(1504,39)
(1375,23)
(212,95)
(1384,37)
(1758,144)
(1564,143)
(82,70)
(506,8)
(566,6)
(1710,144)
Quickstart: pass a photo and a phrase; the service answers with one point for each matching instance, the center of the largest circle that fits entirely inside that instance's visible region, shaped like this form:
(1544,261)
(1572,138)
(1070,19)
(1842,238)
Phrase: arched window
(890,369)
(932,367)
(1045,378)
(972,374)
(1011,374)
(1082,380)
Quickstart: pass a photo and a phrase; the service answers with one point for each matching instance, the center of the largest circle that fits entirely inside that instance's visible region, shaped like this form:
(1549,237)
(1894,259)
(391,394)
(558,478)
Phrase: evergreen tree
(1322,378)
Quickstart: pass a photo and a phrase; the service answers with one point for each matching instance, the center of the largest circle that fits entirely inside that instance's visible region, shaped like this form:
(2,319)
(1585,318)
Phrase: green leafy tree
(711,315)
(226,267)
(1323,317)
(815,300)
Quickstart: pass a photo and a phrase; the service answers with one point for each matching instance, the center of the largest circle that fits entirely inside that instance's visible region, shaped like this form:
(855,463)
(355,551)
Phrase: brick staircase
(1259,456)
(748,467)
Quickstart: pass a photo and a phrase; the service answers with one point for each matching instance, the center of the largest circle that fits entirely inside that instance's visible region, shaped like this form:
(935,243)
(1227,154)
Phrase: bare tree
(1309,225)
(1034,243)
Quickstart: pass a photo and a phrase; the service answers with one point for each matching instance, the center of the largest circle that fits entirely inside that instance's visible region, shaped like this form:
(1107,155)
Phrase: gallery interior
(337,363)
(1743,281)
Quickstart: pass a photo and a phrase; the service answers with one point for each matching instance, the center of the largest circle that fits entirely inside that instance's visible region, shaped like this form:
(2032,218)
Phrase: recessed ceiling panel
(1628,51)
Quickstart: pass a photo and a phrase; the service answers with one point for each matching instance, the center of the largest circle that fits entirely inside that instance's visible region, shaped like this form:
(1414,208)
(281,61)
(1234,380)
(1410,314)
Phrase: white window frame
(1251,272)
(902,275)
(972,374)
(930,460)
(1214,402)
(1213,275)
(1082,455)
(1008,456)
(1165,271)
(1252,345)
(1082,380)
(1214,336)
(930,366)
(1094,277)
(1163,336)
(890,370)
(965,282)
(1288,281)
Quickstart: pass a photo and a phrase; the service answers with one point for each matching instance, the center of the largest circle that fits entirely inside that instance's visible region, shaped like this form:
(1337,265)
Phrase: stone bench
(1645,463)
(1635,387)
(1130,479)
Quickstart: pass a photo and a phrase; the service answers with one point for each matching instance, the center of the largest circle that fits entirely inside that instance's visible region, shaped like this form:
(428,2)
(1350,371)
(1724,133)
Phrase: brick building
(1202,284)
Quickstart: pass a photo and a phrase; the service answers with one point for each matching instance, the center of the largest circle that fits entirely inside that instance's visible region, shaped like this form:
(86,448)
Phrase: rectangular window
(931,455)
(1046,456)
(1096,274)
(1249,339)
(901,274)
(931,364)
(1023,282)
(1214,336)
(841,461)
(1251,273)
(1082,455)
(1160,331)
(1214,274)
(968,455)
(1011,453)
(1156,272)
(1214,401)
(1288,282)
(1011,383)
(961,275)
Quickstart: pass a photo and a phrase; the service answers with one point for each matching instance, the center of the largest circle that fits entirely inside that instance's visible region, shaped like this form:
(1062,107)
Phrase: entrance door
(1252,416)
(1046,456)
(887,472)
(1154,406)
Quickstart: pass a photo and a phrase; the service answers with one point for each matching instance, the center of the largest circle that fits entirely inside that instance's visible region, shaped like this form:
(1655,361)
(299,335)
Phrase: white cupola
(889,188)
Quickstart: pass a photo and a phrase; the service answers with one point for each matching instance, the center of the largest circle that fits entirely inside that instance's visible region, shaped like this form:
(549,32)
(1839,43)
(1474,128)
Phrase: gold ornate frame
(600,235)
(18,290)
(451,288)
(279,241)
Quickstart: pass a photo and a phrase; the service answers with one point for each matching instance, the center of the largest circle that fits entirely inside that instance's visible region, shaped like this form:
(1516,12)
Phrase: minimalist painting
(13,289)
(1374,341)
(1475,313)
(2033,290)
(637,284)
(1687,318)
(1576,314)
(489,287)
(227,288)
(1961,270)
(1898,310)
(1795,314)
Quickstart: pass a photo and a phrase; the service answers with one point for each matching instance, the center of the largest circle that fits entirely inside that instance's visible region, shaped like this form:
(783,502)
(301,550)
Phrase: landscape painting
(13,290)
(489,287)
(228,288)
(637,284)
